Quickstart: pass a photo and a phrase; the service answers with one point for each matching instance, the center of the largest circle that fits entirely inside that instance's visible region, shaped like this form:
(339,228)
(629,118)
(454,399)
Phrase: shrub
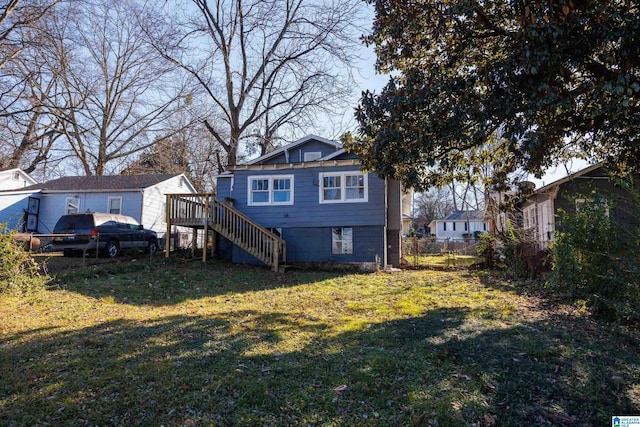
(486,249)
(18,271)
(595,260)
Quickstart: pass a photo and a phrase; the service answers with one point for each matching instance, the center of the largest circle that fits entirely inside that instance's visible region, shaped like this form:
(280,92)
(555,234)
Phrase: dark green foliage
(596,260)
(486,249)
(18,271)
(537,80)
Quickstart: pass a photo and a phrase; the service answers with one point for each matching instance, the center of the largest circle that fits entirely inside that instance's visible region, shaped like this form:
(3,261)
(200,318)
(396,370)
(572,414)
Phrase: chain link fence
(439,253)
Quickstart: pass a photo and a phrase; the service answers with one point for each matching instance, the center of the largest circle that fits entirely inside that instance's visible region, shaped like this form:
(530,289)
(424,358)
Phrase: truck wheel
(152,248)
(112,249)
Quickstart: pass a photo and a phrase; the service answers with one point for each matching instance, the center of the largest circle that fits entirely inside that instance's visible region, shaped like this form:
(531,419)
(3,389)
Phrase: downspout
(386,220)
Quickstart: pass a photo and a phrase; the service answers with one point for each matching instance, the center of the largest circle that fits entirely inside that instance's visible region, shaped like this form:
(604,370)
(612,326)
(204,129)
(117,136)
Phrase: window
(444,228)
(343,187)
(341,241)
(72,206)
(270,190)
(311,156)
(453,226)
(594,205)
(114,205)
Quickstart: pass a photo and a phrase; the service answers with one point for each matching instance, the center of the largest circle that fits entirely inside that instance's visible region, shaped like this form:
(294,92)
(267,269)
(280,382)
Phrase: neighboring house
(12,179)
(459,225)
(537,213)
(319,200)
(37,208)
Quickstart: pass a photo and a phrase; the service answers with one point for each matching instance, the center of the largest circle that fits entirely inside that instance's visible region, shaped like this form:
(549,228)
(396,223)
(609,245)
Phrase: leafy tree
(544,79)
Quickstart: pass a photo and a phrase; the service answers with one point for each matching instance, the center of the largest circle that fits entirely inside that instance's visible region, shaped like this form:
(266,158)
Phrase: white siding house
(139,196)
(13,179)
(459,225)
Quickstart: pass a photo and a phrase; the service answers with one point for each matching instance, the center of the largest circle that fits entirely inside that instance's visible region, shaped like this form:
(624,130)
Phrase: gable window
(343,187)
(341,240)
(270,190)
(310,156)
(114,205)
(72,205)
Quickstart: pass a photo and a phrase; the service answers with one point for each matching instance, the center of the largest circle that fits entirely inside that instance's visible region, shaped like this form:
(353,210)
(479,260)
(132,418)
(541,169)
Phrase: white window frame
(343,186)
(270,199)
(72,205)
(109,205)
(346,241)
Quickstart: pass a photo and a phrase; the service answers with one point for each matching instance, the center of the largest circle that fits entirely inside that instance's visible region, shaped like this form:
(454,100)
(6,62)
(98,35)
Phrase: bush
(595,260)
(486,249)
(18,271)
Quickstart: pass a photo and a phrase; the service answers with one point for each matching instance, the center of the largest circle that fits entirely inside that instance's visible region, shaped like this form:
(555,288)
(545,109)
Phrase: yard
(182,343)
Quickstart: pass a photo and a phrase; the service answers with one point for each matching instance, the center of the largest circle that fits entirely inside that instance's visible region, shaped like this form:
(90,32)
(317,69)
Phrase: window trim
(343,187)
(109,205)
(346,250)
(271,179)
(66,205)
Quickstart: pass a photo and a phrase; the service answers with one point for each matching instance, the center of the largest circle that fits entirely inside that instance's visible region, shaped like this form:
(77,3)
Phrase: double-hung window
(270,190)
(114,205)
(343,187)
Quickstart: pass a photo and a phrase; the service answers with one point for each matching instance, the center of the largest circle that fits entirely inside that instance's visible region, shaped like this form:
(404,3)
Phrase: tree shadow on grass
(162,282)
(442,366)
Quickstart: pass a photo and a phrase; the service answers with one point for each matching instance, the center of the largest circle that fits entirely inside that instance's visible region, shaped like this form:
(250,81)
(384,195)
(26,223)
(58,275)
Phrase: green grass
(186,343)
(443,260)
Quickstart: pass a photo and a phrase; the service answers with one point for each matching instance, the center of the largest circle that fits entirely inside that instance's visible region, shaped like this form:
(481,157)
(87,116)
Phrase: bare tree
(264,64)
(116,92)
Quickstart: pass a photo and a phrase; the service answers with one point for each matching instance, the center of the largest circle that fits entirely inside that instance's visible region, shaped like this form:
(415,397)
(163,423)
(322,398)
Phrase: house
(36,208)
(12,179)
(537,212)
(316,197)
(459,225)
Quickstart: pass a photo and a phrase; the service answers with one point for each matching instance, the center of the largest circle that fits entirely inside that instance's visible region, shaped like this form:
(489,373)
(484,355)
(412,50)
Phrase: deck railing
(204,211)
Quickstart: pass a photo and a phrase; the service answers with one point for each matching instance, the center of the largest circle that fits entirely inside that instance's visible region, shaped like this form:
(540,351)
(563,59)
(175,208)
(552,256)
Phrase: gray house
(317,198)
(537,213)
(36,208)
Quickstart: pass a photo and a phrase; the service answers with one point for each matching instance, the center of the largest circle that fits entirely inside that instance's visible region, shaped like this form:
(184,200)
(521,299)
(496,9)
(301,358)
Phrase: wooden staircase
(204,211)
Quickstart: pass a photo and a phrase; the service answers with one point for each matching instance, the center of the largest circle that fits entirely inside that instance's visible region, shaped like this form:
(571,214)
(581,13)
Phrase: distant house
(536,214)
(318,199)
(37,207)
(459,225)
(12,179)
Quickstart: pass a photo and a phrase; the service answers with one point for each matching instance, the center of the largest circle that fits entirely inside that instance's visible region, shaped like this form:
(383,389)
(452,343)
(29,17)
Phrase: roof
(102,183)
(569,178)
(292,145)
(464,216)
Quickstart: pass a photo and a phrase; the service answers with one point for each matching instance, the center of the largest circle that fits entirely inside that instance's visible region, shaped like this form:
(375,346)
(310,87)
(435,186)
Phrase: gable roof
(102,183)
(26,178)
(276,152)
(463,216)
(568,178)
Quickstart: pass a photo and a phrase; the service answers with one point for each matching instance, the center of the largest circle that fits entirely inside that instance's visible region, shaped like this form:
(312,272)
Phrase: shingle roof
(92,183)
(462,216)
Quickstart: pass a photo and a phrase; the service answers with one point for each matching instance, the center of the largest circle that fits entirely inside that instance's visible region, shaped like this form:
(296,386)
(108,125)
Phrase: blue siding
(307,211)
(12,208)
(296,154)
(313,244)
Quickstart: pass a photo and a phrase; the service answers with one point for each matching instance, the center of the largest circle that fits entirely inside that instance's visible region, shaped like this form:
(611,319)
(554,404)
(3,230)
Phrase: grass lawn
(186,343)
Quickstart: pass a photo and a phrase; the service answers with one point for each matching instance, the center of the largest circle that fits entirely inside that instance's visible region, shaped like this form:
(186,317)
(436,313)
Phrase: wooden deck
(204,212)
